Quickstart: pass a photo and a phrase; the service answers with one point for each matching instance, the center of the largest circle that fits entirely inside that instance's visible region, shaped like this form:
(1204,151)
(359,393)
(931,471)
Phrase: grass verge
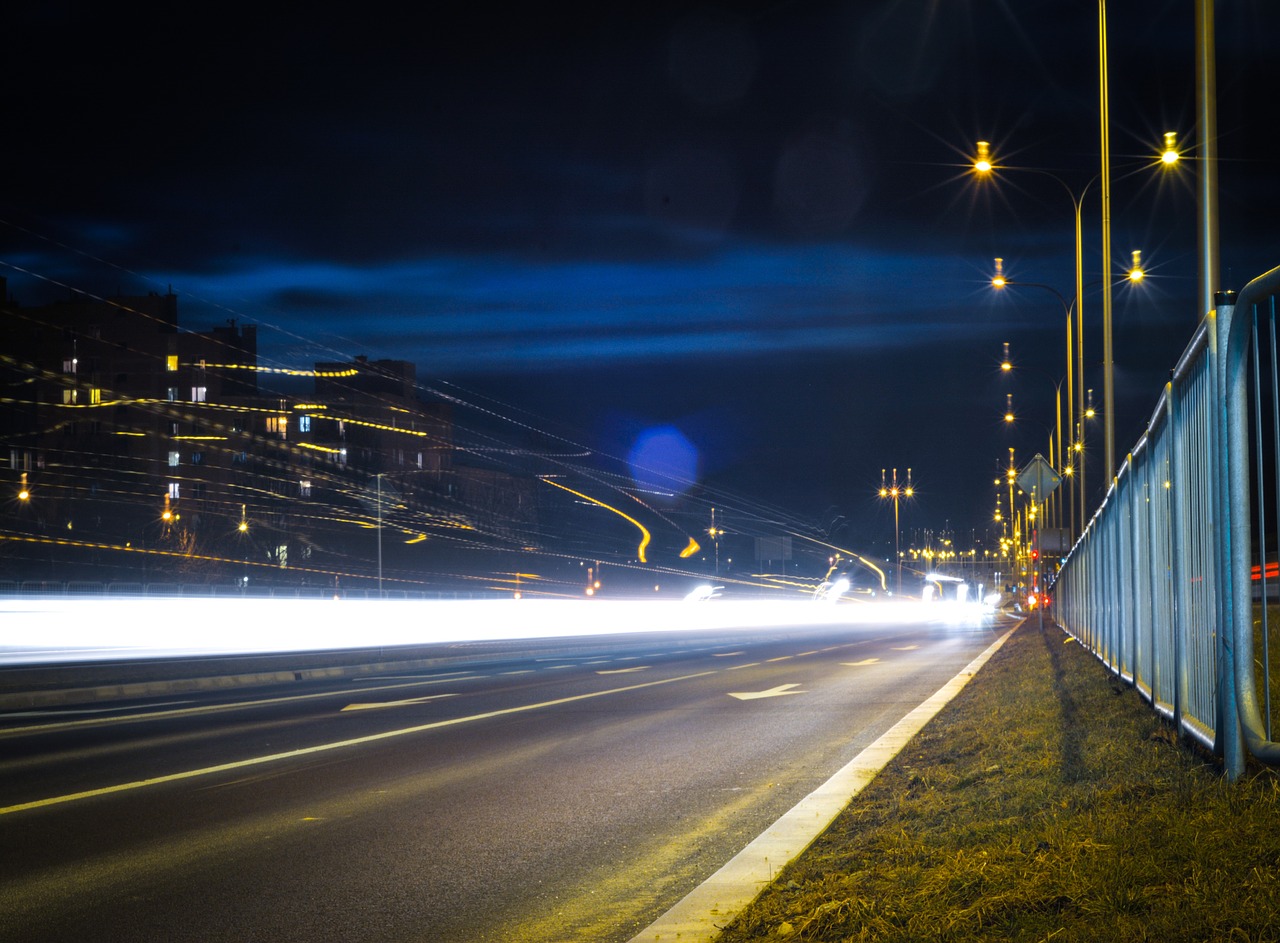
(1046,802)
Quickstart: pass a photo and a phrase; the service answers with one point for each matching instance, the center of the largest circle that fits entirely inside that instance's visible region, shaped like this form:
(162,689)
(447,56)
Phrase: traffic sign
(1038,479)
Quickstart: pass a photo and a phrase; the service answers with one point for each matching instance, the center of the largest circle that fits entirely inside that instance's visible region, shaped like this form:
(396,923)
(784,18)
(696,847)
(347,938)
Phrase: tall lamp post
(379,535)
(1000,281)
(891,489)
(243,529)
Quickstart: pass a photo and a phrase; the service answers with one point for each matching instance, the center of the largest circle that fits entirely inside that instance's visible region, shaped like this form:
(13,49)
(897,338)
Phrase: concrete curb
(698,918)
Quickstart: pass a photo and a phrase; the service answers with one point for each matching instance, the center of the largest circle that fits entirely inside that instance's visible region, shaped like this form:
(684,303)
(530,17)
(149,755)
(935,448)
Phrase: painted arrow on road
(404,703)
(772,692)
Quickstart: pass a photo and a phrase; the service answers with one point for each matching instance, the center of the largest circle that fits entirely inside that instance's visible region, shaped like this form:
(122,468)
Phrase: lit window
(278,425)
(95,397)
(304,488)
(171,363)
(173,490)
(69,396)
(198,393)
(173,459)
(172,394)
(69,365)
(304,423)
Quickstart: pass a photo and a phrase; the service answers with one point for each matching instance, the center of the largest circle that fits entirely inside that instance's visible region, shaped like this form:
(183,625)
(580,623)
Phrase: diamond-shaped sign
(1038,478)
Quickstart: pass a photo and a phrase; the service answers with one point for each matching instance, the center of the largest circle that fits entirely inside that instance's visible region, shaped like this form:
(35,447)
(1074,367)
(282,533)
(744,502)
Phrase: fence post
(1228,361)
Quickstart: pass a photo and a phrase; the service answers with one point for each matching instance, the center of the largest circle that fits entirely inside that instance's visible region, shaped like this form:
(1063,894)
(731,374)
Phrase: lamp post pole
(379,535)
(1108,355)
(895,491)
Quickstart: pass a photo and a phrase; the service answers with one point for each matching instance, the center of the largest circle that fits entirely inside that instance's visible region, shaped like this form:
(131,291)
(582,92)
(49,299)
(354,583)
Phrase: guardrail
(1161,584)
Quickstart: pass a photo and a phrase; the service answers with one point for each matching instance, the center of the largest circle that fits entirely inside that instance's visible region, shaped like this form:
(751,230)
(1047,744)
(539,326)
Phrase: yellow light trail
(690,550)
(644,541)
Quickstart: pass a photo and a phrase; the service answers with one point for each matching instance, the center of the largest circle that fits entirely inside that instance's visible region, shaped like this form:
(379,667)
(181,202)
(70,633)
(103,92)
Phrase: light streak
(645,538)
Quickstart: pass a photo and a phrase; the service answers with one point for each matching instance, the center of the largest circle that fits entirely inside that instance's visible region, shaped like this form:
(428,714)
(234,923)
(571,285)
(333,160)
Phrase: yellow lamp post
(1000,281)
(890,489)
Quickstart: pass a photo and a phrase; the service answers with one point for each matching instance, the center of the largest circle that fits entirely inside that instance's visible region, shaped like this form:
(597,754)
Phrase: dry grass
(1047,802)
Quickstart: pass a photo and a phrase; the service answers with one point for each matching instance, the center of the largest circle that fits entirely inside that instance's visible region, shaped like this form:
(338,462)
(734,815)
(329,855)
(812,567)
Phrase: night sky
(749,228)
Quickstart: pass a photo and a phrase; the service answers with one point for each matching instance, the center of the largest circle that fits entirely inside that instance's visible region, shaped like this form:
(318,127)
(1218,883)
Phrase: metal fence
(1162,584)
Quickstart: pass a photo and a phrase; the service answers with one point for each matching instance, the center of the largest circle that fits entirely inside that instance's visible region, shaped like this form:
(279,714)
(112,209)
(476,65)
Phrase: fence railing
(1161,584)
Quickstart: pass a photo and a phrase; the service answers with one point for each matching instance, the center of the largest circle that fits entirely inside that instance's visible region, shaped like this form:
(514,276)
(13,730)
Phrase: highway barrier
(1162,584)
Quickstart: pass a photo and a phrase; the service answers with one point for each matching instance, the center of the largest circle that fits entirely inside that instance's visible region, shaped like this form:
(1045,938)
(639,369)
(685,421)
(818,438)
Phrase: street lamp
(890,489)
(379,535)
(243,529)
(999,281)
(715,533)
(985,166)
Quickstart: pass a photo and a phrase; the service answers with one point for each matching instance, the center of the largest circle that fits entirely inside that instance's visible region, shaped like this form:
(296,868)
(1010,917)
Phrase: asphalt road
(549,799)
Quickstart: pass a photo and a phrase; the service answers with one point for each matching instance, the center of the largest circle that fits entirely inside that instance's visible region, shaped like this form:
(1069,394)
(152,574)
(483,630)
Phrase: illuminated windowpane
(171,362)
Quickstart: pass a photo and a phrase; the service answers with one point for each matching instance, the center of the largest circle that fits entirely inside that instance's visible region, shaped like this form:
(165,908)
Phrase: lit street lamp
(243,529)
(893,490)
(715,533)
(1000,281)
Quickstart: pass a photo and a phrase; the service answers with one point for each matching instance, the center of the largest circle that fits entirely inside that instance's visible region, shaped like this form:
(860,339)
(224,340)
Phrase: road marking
(772,692)
(522,671)
(621,671)
(713,903)
(754,664)
(336,745)
(861,664)
(233,705)
(802,654)
(907,648)
(412,700)
(73,711)
(725,654)
(779,658)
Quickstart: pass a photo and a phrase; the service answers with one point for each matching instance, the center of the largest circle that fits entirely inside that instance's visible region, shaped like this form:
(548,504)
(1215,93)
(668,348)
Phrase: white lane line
(336,745)
(754,664)
(722,896)
(77,711)
(233,705)
(407,702)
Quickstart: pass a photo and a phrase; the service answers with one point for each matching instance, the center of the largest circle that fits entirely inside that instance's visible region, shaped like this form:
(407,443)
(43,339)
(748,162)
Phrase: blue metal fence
(1161,584)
